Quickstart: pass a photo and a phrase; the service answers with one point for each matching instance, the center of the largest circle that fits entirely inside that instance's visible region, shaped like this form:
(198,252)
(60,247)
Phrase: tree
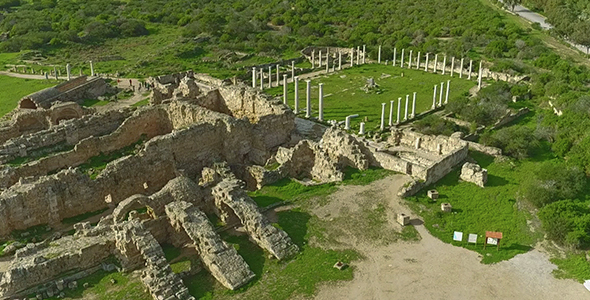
(512,3)
(581,34)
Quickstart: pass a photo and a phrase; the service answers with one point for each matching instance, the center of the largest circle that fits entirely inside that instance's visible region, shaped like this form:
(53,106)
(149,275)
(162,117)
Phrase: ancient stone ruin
(192,154)
(471,172)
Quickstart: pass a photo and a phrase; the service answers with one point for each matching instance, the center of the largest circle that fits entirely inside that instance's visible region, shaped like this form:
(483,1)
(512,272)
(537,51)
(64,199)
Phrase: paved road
(534,17)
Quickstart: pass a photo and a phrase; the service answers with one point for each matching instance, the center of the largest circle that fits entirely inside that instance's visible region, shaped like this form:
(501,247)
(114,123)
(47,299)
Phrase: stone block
(446,207)
(403,219)
(474,173)
(433,194)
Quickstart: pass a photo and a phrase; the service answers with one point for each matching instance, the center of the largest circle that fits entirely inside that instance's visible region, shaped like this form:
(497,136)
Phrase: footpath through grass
(343,95)
(477,210)
(13,89)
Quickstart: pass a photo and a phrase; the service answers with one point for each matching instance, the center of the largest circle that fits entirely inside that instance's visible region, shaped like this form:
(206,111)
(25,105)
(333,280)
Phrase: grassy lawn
(143,102)
(13,89)
(343,95)
(477,210)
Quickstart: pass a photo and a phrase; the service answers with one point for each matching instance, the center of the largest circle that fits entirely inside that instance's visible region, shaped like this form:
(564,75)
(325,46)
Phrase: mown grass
(343,95)
(94,102)
(13,89)
(477,210)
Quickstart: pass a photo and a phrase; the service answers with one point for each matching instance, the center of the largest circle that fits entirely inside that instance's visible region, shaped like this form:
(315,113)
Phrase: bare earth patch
(429,268)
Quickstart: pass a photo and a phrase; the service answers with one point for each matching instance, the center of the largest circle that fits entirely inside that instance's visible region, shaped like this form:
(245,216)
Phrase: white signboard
(472,238)
(587,284)
(458,236)
(492,241)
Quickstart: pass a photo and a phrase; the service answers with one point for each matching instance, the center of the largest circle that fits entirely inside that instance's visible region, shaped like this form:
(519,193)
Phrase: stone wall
(43,262)
(221,259)
(230,195)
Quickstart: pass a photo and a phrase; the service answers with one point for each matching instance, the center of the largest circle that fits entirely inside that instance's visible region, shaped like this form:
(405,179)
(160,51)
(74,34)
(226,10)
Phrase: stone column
(347,121)
(313,59)
(261,79)
(91,69)
(278,76)
(46,76)
(364,53)
(410,60)
(480,75)
(358,55)
(461,69)
(339,60)
(382,127)
(362,131)
(327,65)
(444,66)
(394,55)
(406,111)
(399,106)
(401,65)
(413,106)
(292,70)
(308,97)
(253,77)
(448,87)
(426,66)
(69,71)
(320,65)
(296,91)
(442,86)
(321,103)
(285,89)
(452,66)
(418,61)
(434,98)
(55,73)
(378,55)
(391,113)
(470,68)
(351,57)
(270,77)
(79,73)
(435,63)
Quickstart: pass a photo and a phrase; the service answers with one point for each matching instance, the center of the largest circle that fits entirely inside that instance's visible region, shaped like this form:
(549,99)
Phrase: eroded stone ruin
(193,153)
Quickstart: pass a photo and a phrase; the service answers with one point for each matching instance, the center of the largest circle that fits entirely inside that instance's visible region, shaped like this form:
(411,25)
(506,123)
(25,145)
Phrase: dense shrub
(567,222)
(553,182)
(517,141)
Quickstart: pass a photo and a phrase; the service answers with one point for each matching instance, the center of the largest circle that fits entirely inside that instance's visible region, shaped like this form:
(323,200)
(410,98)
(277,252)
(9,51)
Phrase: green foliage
(567,223)
(554,181)
(484,109)
(435,125)
(477,210)
(574,266)
(140,103)
(517,141)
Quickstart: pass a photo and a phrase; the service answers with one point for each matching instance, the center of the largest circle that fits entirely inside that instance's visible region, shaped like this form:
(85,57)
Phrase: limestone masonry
(191,154)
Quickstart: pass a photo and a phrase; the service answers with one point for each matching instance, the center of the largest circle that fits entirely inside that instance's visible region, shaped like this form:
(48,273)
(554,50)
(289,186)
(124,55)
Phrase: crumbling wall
(144,123)
(308,160)
(441,168)
(229,194)
(157,276)
(43,262)
(75,90)
(221,259)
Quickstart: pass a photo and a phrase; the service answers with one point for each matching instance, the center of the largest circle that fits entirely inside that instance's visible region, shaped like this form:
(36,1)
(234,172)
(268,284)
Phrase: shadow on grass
(494,180)
(294,223)
(264,201)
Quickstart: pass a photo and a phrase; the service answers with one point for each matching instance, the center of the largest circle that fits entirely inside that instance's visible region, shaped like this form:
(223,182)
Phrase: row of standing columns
(57,72)
(259,72)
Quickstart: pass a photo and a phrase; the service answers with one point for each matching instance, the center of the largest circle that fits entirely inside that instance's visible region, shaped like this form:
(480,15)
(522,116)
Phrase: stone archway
(27,103)
(65,114)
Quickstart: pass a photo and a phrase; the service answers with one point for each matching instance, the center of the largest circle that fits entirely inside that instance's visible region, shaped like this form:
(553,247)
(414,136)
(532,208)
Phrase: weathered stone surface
(229,195)
(221,259)
(471,172)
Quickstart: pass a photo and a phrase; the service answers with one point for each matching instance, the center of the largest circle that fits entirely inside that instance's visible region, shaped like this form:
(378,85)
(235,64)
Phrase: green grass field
(343,95)
(477,210)
(13,89)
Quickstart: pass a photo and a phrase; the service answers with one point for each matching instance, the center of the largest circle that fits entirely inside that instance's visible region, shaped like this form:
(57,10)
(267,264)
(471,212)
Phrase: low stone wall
(444,166)
(75,90)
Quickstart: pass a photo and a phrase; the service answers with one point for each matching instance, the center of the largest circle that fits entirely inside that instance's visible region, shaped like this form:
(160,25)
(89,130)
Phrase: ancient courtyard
(379,171)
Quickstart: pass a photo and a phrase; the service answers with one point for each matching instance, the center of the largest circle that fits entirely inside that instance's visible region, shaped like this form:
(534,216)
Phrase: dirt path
(431,269)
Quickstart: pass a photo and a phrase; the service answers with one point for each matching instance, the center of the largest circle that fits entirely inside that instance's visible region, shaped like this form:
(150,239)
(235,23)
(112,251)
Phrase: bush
(435,125)
(567,223)
(554,182)
(517,141)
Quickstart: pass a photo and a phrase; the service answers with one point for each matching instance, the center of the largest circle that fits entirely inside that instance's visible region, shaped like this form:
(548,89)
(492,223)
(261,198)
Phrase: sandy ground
(431,269)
